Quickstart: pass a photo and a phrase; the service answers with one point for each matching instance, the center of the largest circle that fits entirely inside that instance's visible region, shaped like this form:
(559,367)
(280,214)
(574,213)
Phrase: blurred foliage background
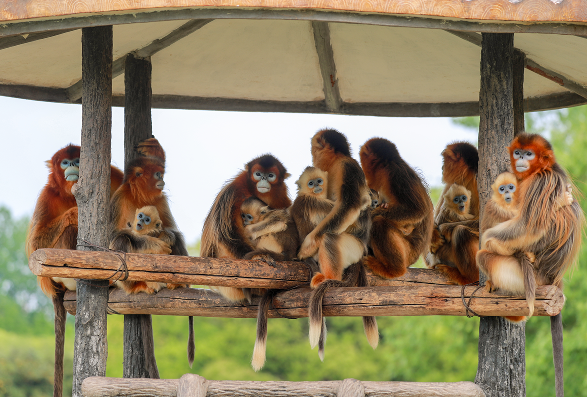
(411,348)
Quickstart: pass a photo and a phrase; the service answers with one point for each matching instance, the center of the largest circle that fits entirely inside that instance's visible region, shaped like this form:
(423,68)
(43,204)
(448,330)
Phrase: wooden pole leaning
(137,128)
(501,370)
(92,193)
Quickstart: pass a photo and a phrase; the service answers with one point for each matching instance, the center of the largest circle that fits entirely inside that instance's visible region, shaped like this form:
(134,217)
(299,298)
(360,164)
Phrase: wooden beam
(378,19)
(327,65)
(533,66)
(138,353)
(502,365)
(92,193)
(12,41)
(99,387)
(194,270)
(405,300)
(74,91)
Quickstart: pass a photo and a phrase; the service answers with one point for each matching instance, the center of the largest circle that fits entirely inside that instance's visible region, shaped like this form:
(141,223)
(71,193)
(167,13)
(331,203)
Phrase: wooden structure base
(196,386)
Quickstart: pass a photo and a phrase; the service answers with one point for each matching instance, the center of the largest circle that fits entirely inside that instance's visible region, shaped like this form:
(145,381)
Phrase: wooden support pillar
(138,328)
(519,65)
(92,193)
(501,370)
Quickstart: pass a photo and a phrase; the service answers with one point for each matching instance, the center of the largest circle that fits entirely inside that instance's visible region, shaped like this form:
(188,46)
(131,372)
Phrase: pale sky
(204,148)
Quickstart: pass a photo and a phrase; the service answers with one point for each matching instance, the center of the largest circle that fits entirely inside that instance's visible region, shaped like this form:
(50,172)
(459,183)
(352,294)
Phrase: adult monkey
(340,239)
(401,229)
(223,235)
(54,225)
(542,226)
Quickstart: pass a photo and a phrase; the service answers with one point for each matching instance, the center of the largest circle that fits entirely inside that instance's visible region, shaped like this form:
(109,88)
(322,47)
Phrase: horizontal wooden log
(407,300)
(194,270)
(106,387)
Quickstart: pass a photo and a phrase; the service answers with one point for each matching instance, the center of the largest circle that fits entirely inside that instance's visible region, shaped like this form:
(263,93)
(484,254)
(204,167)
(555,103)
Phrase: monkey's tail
(322,340)
(60,316)
(369,322)
(556,331)
(315,312)
(259,351)
(529,283)
(191,341)
(149,346)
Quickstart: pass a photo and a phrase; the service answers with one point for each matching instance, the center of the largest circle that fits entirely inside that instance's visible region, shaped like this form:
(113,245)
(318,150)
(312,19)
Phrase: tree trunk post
(502,367)
(137,128)
(92,193)
(519,66)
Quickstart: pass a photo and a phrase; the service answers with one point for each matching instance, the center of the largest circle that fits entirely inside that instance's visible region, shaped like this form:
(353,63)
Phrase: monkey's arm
(173,236)
(126,241)
(273,224)
(46,236)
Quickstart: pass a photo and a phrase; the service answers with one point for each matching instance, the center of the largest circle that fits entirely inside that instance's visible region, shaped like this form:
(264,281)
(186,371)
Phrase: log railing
(196,386)
(419,292)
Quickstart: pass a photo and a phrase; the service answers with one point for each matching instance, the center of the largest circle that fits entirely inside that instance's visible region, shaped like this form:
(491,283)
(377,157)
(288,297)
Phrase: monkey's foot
(531,257)
(489,287)
(309,247)
(175,286)
(317,279)
(382,269)
(267,259)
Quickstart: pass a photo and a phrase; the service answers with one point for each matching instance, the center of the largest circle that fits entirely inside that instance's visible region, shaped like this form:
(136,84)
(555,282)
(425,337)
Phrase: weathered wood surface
(502,365)
(110,387)
(409,300)
(195,270)
(92,193)
(485,10)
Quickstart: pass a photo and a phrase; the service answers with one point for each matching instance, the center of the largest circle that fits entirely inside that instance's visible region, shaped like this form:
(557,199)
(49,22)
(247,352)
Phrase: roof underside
(322,63)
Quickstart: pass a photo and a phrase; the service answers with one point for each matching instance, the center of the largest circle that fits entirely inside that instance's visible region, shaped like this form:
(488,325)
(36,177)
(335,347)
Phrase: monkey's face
(264,178)
(149,178)
(316,185)
(65,166)
(147,220)
(313,181)
(253,210)
(523,158)
(461,204)
(507,191)
(530,153)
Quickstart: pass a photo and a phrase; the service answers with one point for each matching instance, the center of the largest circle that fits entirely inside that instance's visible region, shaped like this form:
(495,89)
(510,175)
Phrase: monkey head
(147,221)
(377,155)
(145,178)
(64,167)
(265,173)
(151,148)
(457,199)
(253,210)
(456,157)
(375,200)
(503,189)
(313,181)
(326,145)
(530,153)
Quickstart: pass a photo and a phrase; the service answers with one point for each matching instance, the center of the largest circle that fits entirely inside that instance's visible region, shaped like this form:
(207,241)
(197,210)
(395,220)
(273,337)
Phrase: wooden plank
(92,193)
(407,300)
(540,11)
(74,91)
(533,66)
(192,385)
(380,19)
(502,365)
(327,65)
(12,41)
(110,387)
(194,270)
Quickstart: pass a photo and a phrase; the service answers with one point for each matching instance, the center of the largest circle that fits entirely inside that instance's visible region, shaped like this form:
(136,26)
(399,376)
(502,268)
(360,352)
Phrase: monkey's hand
(157,246)
(497,247)
(437,240)
(531,257)
(69,217)
(309,246)
(445,231)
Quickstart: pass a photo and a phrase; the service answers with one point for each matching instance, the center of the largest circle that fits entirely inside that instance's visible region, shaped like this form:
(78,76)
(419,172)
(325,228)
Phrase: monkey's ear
(128,224)
(158,225)
(287,175)
(247,167)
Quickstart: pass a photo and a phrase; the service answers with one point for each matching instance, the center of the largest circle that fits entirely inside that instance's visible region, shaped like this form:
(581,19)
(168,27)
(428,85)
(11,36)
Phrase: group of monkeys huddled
(346,217)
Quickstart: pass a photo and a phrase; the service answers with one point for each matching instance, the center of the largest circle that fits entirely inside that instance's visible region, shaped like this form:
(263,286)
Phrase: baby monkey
(142,237)
(273,235)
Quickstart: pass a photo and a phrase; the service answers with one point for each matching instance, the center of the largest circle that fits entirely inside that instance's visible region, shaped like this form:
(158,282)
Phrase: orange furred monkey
(54,225)
(456,256)
(551,232)
(401,229)
(223,235)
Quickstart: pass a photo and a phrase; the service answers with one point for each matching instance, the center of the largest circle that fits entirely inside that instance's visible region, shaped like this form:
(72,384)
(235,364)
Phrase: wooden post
(501,369)
(92,193)
(137,128)
(519,65)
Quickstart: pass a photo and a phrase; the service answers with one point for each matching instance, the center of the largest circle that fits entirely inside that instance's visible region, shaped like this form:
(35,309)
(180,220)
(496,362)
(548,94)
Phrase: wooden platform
(419,292)
(197,386)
